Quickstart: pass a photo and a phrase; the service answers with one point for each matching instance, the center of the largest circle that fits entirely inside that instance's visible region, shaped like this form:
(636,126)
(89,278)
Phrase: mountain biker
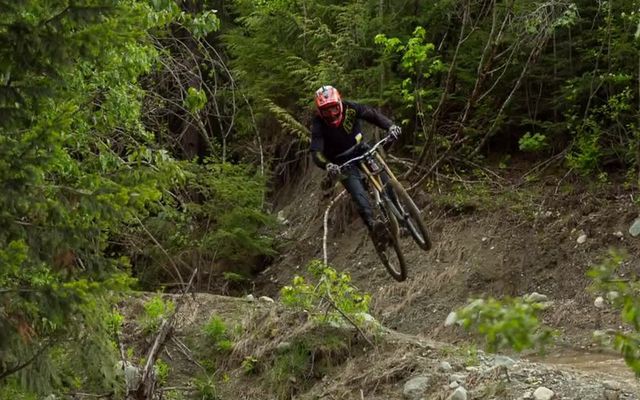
(336,128)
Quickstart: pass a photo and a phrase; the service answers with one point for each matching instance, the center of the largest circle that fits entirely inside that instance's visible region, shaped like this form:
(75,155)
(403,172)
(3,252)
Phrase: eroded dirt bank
(509,237)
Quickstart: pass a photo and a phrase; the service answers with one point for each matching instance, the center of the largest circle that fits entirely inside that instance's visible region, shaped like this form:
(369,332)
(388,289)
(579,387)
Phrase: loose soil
(495,234)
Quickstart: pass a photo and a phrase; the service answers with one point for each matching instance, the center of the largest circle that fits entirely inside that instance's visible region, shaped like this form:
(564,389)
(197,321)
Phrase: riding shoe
(379,234)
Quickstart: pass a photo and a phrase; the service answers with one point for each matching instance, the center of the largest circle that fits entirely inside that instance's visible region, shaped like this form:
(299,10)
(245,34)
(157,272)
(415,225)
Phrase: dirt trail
(604,363)
(509,239)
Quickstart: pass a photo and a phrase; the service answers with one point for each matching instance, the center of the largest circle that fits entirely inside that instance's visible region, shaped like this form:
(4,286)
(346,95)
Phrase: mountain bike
(395,207)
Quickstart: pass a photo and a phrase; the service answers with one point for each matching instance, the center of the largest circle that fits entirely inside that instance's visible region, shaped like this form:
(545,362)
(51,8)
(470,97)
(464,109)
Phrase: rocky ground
(341,364)
(494,235)
(498,235)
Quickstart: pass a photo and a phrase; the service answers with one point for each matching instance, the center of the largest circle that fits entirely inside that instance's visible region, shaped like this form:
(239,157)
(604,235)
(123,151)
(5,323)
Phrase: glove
(394,132)
(333,170)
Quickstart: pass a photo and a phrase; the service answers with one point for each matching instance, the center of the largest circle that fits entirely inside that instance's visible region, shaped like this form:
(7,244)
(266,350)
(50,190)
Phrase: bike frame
(374,178)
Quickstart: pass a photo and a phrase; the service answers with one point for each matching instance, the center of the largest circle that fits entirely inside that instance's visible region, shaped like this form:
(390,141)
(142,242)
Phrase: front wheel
(412,219)
(391,255)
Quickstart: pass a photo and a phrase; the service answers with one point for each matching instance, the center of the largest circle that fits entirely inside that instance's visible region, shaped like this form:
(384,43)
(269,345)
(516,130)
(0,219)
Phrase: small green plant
(225,345)
(532,143)
(622,295)
(290,367)
(215,329)
(206,388)
(196,100)
(155,310)
(234,277)
(470,354)
(512,323)
(249,365)
(217,332)
(162,370)
(327,300)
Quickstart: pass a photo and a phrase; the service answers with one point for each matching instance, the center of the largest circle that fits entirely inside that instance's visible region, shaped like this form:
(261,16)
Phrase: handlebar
(366,154)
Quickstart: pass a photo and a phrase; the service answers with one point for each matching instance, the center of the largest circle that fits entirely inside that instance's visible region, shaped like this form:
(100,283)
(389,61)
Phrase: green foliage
(77,166)
(416,60)
(162,371)
(220,221)
(332,290)
(308,357)
(234,277)
(218,334)
(13,390)
(156,309)
(206,388)
(249,365)
(623,294)
(196,100)
(289,367)
(532,143)
(510,323)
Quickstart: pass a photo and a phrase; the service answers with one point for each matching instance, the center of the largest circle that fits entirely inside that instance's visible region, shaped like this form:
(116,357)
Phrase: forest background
(141,141)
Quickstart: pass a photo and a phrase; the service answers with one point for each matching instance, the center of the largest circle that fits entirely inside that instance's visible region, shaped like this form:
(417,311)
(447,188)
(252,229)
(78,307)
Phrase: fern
(288,122)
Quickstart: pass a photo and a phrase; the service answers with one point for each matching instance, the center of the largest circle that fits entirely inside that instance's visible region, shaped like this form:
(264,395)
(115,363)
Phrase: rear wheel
(391,255)
(411,216)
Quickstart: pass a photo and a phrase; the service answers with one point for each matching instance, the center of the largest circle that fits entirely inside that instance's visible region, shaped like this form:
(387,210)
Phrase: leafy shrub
(162,370)
(218,333)
(206,388)
(329,297)
(532,143)
(155,310)
(511,323)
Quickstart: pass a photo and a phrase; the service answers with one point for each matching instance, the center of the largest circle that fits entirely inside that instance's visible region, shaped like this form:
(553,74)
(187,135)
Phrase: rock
(132,375)
(367,317)
(454,385)
(542,393)
(415,388)
(445,367)
(459,394)
(634,229)
(249,297)
(527,395)
(460,378)
(581,239)
(618,234)
(599,302)
(536,297)
(281,218)
(503,361)
(612,295)
(452,318)
(611,394)
(266,299)
(613,385)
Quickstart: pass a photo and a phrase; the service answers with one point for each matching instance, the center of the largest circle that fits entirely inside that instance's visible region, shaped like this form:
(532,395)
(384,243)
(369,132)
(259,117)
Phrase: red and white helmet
(329,105)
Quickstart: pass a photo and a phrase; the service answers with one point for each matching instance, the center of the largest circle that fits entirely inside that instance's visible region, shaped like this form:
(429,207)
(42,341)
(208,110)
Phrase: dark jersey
(327,142)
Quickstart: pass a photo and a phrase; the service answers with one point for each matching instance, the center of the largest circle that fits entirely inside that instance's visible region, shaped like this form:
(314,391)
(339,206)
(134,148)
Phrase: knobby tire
(414,222)
(399,271)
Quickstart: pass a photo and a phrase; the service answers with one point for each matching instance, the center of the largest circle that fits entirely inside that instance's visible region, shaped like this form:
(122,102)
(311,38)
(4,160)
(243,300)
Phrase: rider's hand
(333,170)
(394,132)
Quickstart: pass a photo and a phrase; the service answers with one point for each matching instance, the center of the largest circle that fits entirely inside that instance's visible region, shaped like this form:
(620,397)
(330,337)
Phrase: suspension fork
(401,213)
(375,180)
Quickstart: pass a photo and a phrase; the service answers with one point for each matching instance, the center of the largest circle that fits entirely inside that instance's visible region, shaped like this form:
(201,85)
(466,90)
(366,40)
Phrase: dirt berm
(496,233)
(265,351)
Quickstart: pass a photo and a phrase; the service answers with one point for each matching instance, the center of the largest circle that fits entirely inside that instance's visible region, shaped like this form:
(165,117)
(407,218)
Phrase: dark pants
(353,180)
